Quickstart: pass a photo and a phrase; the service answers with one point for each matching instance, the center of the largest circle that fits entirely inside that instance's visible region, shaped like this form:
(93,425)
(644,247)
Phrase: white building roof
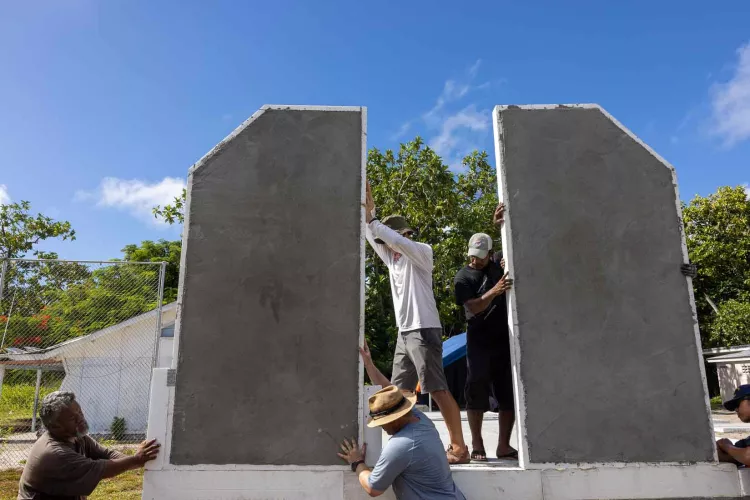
(734,357)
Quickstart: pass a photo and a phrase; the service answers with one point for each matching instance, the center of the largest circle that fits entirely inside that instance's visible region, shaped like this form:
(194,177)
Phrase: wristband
(356,464)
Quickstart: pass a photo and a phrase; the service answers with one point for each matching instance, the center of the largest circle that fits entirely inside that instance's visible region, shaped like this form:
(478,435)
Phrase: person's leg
(506,418)
(476,418)
(502,389)
(425,349)
(452,417)
(403,373)
(477,395)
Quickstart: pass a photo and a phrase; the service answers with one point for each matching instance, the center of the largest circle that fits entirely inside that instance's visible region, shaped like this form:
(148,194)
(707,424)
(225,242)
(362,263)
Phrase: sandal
(457,458)
(479,455)
(513,455)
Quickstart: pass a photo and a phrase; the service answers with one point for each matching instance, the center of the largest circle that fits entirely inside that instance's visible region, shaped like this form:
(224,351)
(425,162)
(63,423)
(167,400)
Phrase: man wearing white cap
(480,289)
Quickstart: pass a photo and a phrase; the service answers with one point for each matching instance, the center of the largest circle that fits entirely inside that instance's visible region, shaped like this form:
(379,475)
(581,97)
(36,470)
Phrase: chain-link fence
(94,328)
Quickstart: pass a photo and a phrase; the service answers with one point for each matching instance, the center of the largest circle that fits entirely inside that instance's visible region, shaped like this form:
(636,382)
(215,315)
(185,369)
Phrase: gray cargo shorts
(419,357)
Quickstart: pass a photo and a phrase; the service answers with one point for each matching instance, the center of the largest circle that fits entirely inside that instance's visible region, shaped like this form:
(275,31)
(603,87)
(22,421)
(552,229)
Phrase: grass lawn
(123,487)
(17,405)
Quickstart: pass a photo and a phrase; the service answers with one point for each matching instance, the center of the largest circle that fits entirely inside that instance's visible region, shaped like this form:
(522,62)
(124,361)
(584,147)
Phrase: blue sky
(105,105)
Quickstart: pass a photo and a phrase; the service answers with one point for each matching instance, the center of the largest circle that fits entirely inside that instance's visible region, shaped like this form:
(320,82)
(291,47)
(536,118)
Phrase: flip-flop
(479,456)
(513,455)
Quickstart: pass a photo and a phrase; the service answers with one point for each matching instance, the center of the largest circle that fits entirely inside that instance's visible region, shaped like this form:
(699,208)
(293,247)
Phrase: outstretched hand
(499,216)
(352,452)
(147,450)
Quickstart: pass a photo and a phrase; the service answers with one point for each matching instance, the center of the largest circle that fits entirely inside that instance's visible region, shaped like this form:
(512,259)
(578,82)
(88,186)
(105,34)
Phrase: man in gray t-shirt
(413,461)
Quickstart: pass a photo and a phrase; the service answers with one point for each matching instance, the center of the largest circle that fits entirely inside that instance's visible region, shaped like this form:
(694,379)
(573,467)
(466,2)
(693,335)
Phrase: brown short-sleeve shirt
(63,470)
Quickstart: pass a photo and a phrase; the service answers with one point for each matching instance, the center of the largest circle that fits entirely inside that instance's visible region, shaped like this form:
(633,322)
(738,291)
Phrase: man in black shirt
(480,288)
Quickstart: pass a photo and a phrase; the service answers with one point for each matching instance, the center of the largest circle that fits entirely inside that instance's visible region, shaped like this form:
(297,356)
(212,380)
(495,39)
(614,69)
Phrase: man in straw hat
(412,461)
(419,348)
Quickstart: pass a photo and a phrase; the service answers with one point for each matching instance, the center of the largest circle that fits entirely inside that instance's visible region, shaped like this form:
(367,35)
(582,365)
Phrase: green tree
(159,251)
(20,231)
(29,287)
(445,209)
(717,229)
(174,212)
(731,325)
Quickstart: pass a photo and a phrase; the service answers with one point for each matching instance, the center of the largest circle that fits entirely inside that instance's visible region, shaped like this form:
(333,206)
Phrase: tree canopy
(20,231)
(717,229)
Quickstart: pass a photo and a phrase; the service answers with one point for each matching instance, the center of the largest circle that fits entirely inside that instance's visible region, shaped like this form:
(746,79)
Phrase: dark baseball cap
(397,223)
(742,392)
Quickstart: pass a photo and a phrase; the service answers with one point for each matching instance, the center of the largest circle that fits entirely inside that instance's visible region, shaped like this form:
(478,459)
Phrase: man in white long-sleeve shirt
(419,349)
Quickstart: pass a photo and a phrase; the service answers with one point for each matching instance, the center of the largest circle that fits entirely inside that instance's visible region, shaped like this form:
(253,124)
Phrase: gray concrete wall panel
(271,302)
(608,358)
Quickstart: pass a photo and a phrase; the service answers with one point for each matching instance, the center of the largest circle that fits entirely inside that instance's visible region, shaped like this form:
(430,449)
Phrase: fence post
(36,399)
(160,294)
(3,270)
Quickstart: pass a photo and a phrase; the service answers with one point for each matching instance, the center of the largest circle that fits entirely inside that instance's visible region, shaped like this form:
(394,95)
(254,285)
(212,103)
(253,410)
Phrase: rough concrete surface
(608,356)
(268,365)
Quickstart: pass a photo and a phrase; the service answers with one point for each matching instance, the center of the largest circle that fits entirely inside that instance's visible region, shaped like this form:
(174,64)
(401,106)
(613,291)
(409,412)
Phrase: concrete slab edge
(515,351)
(216,149)
(697,481)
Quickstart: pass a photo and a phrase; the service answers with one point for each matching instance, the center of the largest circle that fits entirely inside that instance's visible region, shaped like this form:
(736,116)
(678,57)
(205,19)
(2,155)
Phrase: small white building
(109,370)
(732,369)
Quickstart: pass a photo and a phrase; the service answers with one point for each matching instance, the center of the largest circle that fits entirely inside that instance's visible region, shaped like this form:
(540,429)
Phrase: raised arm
(385,253)
(498,217)
(420,253)
(376,376)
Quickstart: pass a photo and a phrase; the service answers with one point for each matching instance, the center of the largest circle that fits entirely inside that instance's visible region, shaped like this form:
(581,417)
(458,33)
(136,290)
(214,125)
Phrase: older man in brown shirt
(67,464)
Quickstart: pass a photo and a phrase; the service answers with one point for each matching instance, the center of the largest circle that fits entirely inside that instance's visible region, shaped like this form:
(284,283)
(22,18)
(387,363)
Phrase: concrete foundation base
(165,481)
(642,482)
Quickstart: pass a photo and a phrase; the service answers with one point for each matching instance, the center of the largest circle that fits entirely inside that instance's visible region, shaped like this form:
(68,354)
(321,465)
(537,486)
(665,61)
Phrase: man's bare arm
(148,450)
(363,473)
(376,376)
(480,304)
(740,455)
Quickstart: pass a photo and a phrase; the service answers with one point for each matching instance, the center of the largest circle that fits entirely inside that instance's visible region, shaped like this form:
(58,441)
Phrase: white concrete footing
(643,482)
(166,481)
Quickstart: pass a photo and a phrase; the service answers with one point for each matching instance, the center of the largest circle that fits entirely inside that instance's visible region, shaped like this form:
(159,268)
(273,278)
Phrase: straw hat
(389,404)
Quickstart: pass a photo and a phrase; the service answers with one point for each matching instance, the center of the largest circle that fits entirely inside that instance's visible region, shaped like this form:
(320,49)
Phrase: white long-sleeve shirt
(410,270)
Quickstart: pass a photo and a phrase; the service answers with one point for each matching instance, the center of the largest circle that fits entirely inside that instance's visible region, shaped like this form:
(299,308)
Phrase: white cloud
(134,196)
(4,196)
(747,191)
(452,134)
(731,102)
(401,132)
(454,127)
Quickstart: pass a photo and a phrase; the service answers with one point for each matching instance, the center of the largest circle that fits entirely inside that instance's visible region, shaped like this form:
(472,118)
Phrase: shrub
(118,428)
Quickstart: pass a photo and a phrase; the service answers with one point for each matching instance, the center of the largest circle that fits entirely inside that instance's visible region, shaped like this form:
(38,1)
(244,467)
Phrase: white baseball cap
(480,245)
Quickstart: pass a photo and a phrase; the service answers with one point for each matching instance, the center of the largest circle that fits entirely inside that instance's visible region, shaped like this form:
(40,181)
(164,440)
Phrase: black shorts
(489,379)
